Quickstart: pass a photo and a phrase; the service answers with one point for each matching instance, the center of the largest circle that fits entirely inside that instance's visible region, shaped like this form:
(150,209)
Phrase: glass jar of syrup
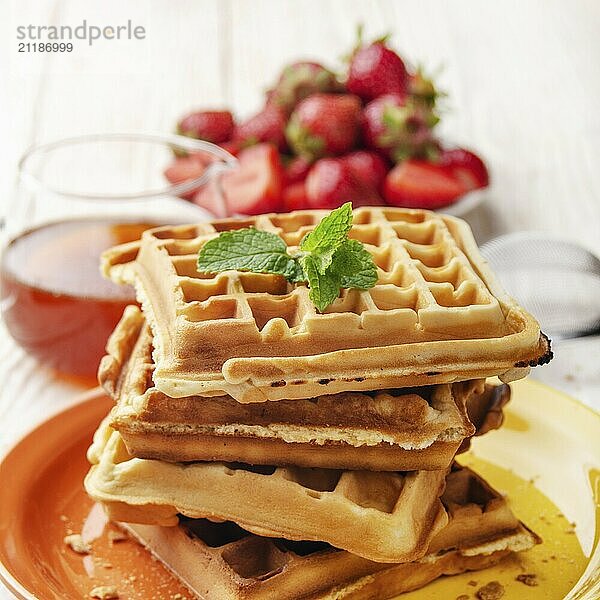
(75,198)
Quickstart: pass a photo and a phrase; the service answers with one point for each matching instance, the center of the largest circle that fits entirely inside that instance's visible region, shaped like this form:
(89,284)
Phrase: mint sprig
(327,260)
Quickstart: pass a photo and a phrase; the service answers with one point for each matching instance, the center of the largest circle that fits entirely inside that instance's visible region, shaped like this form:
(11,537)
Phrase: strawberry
(422,90)
(300,80)
(296,170)
(375,70)
(266,126)
(421,184)
(324,124)
(368,167)
(466,166)
(331,182)
(294,197)
(187,167)
(232,146)
(214,126)
(253,188)
(398,128)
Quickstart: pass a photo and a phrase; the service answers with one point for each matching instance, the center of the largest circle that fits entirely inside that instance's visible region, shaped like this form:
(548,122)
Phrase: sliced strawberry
(294,197)
(266,126)
(187,167)
(214,126)
(297,170)
(368,167)
(375,70)
(253,188)
(466,166)
(324,125)
(421,184)
(331,182)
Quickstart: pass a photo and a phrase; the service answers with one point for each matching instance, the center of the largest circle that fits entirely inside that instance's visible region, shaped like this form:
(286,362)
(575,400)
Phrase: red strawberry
(294,197)
(368,167)
(297,170)
(232,146)
(185,168)
(466,166)
(376,70)
(331,182)
(422,89)
(266,126)
(214,126)
(300,80)
(399,128)
(253,188)
(421,184)
(324,124)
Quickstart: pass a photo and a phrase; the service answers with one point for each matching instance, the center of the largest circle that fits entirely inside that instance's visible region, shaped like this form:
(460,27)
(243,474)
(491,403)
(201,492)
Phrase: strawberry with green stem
(375,69)
(423,91)
(398,128)
(300,80)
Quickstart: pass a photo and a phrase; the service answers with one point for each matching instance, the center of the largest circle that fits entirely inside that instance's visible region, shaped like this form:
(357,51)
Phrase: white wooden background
(523,79)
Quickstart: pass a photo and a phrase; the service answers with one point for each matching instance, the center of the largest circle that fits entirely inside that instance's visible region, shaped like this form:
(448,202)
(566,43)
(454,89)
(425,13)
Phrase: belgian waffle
(221,560)
(436,315)
(381,516)
(389,430)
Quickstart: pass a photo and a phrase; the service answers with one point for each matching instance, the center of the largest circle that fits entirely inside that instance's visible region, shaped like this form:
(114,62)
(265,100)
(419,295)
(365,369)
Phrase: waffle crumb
(491,591)
(529,579)
(76,543)
(463,597)
(472,583)
(105,592)
(107,565)
(178,596)
(117,536)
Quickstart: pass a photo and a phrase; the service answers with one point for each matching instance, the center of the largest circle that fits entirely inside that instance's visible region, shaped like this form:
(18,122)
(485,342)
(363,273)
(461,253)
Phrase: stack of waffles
(261,449)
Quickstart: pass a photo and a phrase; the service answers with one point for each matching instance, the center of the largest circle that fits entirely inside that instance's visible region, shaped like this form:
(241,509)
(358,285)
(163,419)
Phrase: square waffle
(221,560)
(387,517)
(436,315)
(388,430)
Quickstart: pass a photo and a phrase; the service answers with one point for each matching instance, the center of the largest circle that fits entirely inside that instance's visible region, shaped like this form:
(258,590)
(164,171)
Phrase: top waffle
(437,314)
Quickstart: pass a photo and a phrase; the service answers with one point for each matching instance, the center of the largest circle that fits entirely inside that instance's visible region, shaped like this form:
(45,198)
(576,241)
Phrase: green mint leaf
(324,288)
(328,236)
(296,273)
(248,250)
(354,265)
(327,259)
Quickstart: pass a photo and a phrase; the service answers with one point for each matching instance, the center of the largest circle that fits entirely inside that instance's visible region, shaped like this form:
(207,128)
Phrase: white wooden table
(522,78)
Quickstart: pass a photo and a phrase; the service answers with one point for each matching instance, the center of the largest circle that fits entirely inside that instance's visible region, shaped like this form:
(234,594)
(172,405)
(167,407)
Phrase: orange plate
(548,438)
(42,499)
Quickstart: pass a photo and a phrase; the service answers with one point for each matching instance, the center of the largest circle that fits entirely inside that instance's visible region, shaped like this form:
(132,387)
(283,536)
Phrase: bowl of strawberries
(367,136)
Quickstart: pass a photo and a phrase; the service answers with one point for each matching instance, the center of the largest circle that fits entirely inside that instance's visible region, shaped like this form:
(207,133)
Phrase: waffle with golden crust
(387,430)
(221,560)
(387,517)
(436,315)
